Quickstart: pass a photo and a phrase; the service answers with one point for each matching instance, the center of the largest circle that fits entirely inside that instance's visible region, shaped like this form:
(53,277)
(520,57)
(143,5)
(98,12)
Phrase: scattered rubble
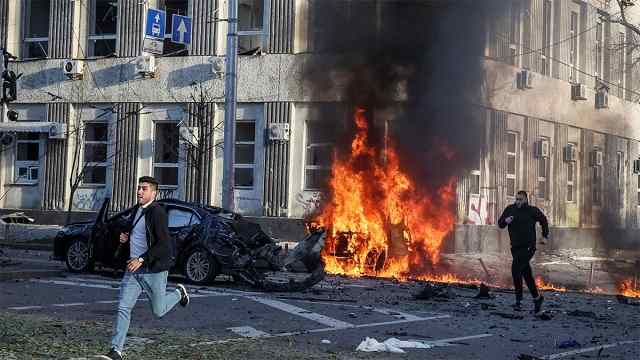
(391,345)
(483,292)
(434,292)
(580,313)
(627,301)
(507,315)
(568,344)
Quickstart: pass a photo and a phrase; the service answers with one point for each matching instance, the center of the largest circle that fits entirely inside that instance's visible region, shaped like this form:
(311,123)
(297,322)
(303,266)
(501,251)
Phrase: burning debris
(434,292)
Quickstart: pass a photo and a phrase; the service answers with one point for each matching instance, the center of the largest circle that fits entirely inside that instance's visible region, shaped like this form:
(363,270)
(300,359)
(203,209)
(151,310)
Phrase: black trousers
(521,269)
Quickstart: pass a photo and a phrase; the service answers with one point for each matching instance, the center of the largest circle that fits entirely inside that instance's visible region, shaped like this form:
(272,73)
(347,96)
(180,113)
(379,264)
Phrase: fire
(542,285)
(378,222)
(627,289)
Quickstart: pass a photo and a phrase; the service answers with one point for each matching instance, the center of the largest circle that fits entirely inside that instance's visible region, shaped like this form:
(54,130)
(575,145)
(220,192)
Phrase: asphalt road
(338,314)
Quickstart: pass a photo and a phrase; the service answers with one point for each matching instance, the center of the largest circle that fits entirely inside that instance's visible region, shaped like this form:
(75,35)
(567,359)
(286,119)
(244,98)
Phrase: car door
(109,239)
(181,220)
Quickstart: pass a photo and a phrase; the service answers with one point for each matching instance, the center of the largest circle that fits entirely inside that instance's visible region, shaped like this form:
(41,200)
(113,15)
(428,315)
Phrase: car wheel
(77,257)
(200,267)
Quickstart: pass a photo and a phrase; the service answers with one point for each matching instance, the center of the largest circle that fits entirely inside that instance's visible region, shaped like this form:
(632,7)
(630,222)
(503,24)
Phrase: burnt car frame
(209,241)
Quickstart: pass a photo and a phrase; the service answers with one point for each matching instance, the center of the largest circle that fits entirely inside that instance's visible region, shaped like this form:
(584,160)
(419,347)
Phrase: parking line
(446,342)
(69,304)
(589,349)
(24,307)
(319,318)
(74,283)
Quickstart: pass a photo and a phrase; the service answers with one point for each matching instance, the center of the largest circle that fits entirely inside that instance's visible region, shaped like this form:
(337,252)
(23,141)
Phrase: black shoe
(537,304)
(112,355)
(517,306)
(184,297)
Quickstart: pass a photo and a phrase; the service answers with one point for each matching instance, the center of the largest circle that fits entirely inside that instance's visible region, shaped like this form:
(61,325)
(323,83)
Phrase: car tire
(77,257)
(200,267)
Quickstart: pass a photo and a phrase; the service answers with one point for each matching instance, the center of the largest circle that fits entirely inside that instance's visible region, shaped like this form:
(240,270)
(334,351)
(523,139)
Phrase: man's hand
(509,220)
(124,237)
(133,265)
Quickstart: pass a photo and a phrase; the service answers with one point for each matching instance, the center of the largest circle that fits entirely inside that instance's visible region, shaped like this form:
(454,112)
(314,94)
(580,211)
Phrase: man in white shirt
(151,255)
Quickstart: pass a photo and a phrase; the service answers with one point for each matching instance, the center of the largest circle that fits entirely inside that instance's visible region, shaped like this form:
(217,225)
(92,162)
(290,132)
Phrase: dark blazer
(160,255)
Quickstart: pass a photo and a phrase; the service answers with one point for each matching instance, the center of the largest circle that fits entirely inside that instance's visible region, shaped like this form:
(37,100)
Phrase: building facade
(560,110)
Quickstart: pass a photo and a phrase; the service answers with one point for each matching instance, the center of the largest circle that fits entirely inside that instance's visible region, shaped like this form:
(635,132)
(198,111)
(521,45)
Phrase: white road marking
(69,304)
(446,342)
(25,307)
(248,331)
(74,283)
(397,314)
(319,318)
(107,302)
(589,349)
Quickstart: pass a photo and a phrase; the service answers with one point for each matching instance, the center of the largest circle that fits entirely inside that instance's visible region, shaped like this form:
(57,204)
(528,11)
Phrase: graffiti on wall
(307,202)
(481,211)
(167,194)
(88,199)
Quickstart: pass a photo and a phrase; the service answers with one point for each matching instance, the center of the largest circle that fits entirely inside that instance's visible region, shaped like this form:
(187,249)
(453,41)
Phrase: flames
(378,222)
(543,285)
(626,288)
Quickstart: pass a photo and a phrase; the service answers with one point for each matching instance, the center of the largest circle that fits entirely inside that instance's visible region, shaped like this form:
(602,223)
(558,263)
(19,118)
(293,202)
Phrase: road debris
(580,313)
(568,344)
(434,292)
(627,301)
(483,292)
(391,345)
(325,341)
(507,315)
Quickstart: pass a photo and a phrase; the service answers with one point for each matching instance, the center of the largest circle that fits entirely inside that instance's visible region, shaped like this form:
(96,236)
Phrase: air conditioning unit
(146,65)
(570,153)
(542,149)
(73,69)
(217,67)
(578,92)
(602,99)
(596,158)
(525,79)
(58,131)
(189,134)
(636,166)
(279,132)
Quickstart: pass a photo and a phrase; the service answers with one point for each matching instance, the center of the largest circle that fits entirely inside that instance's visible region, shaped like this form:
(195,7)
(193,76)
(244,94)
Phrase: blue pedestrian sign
(155,23)
(181,29)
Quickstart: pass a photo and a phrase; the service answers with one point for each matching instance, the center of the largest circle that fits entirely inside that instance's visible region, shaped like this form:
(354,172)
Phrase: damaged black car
(209,241)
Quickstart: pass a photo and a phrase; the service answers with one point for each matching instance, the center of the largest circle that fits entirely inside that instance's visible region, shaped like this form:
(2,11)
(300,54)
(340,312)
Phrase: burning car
(209,241)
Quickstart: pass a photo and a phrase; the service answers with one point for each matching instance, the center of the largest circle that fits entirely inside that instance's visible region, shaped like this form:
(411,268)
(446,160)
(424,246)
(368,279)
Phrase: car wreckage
(209,241)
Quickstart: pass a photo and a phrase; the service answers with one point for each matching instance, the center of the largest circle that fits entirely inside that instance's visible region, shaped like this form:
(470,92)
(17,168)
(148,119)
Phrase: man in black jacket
(521,219)
(150,255)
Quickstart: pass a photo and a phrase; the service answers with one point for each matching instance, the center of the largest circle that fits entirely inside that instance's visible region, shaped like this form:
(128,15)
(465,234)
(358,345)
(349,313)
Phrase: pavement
(70,315)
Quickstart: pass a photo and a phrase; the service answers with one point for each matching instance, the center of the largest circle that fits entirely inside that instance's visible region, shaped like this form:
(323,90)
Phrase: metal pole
(230,106)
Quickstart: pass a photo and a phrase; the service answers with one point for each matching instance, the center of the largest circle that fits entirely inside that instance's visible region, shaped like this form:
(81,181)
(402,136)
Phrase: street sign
(153,46)
(155,24)
(181,29)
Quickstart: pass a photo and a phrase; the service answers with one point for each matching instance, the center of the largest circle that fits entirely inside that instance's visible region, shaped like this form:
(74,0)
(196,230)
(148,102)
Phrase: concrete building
(564,143)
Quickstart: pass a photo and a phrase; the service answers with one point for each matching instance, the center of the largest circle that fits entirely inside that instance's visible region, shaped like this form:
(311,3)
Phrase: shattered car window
(180,217)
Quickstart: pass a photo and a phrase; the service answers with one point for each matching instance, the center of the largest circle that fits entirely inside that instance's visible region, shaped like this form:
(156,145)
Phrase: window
(546,38)
(244,157)
(597,184)
(165,153)
(103,28)
(573,46)
(512,163)
(318,154)
(96,142)
(252,25)
(620,173)
(181,217)
(177,7)
(514,34)
(638,190)
(27,158)
(571,179)
(599,53)
(620,53)
(474,186)
(36,28)
(543,176)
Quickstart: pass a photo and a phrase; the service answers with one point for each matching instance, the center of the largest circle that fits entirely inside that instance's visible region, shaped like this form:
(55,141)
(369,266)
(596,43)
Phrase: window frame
(547,37)
(194,215)
(251,166)
(92,29)
(27,40)
(599,49)
(307,146)
(571,180)
(544,162)
(574,44)
(106,164)
(263,32)
(515,155)
(597,182)
(621,177)
(29,164)
(515,31)
(622,51)
(176,165)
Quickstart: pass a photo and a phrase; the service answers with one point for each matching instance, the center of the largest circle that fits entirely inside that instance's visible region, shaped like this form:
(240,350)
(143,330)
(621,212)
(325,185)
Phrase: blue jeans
(131,286)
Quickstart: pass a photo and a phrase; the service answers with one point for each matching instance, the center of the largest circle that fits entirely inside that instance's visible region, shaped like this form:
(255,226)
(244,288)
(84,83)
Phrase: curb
(27,246)
(28,274)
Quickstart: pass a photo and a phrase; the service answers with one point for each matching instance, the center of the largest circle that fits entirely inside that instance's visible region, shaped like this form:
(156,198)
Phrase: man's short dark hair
(149,180)
(523,193)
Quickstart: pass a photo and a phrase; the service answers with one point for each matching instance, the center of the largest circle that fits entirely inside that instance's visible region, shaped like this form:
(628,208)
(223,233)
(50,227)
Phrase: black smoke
(421,62)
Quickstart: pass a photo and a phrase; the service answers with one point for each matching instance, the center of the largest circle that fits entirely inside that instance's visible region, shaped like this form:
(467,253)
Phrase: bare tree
(629,46)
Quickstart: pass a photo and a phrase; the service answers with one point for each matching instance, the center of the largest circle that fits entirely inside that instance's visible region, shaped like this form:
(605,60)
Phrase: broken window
(103,26)
(36,28)
(244,157)
(171,7)
(27,158)
(318,155)
(546,37)
(165,153)
(252,26)
(512,163)
(571,179)
(96,142)
(573,45)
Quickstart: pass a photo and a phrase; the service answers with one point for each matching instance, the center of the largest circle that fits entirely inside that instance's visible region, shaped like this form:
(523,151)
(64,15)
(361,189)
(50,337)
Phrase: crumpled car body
(209,241)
